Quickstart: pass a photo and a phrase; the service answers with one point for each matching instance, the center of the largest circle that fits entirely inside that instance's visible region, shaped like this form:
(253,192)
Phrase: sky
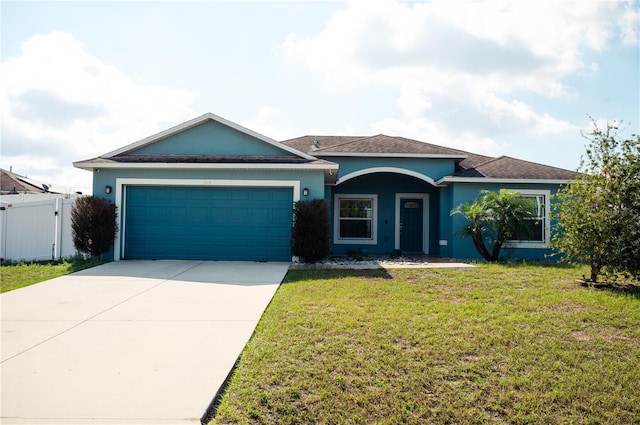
(518,78)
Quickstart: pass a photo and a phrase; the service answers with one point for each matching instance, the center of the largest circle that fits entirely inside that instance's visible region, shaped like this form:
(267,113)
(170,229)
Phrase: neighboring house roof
(12,183)
(378,145)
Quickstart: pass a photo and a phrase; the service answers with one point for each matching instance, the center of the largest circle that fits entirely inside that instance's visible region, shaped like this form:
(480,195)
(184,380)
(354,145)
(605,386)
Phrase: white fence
(33,229)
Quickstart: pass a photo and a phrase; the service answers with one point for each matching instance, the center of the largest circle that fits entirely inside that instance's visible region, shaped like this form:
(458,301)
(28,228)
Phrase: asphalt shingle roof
(243,159)
(200,159)
(469,165)
(378,144)
(505,167)
(306,143)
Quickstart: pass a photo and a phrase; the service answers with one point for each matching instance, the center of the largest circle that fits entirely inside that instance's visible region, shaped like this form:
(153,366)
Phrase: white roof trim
(395,170)
(90,166)
(197,121)
(453,179)
(392,155)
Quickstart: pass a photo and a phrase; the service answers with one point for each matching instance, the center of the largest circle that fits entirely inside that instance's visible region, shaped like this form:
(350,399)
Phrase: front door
(411,225)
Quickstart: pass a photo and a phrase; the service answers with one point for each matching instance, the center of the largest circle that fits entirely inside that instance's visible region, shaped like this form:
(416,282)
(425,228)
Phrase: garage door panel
(243,195)
(260,195)
(157,212)
(208,223)
(199,214)
(281,196)
(220,195)
(240,215)
(176,195)
(281,215)
(199,195)
(219,215)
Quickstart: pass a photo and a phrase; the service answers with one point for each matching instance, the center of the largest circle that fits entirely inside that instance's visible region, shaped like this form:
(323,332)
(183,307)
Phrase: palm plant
(495,217)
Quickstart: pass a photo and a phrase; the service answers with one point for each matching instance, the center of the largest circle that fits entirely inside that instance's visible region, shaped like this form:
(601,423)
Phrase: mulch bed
(624,287)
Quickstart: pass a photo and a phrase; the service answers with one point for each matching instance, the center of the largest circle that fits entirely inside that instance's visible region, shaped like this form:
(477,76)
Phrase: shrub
(93,225)
(311,230)
(598,214)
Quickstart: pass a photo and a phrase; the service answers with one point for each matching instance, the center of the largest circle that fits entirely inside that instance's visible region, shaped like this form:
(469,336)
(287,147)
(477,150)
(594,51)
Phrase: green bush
(93,225)
(598,214)
(311,230)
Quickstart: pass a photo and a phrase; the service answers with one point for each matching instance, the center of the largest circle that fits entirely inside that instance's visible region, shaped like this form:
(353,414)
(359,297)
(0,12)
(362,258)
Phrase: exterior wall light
(107,189)
(305,192)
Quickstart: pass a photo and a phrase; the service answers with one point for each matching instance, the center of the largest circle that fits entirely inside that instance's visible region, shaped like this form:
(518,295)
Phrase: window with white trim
(535,232)
(355,219)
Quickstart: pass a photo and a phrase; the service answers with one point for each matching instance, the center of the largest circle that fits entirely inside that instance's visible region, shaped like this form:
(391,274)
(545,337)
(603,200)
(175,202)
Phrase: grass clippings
(505,344)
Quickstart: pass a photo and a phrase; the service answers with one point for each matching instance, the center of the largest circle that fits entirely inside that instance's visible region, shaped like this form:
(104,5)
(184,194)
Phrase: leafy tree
(599,215)
(93,225)
(311,236)
(494,217)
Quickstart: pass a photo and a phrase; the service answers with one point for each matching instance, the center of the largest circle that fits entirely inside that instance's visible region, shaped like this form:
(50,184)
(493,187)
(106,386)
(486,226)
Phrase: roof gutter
(445,181)
(320,154)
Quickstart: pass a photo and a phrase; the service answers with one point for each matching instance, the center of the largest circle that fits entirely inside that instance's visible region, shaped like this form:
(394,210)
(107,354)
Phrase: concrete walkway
(130,342)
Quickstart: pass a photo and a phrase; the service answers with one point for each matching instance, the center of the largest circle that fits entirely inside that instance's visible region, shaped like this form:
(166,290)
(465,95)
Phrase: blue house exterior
(212,189)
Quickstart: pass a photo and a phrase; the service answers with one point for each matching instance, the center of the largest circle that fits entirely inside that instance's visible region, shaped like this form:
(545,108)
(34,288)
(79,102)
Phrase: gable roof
(195,122)
(379,145)
(134,155)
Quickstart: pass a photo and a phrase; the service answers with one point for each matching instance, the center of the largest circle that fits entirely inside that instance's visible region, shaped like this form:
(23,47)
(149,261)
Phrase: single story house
(212,189)
(15,184)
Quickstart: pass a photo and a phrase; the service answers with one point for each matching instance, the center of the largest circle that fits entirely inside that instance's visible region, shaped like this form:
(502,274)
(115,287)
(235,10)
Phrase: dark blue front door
(411,225)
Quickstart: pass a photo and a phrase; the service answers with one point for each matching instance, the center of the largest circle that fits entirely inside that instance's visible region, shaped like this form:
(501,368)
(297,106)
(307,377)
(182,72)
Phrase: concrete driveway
(135,342)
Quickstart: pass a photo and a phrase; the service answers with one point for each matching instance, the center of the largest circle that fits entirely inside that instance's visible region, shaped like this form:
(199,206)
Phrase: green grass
(505,344)
(19,275)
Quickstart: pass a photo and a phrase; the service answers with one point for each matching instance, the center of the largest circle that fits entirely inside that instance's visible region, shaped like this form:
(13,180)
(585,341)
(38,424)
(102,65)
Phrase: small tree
(598,215)
(494,217)
(93,225)
(310,238)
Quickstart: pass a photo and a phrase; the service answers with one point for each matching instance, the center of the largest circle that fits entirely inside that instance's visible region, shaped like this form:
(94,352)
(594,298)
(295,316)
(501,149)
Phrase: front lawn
(499,344)
(18,275)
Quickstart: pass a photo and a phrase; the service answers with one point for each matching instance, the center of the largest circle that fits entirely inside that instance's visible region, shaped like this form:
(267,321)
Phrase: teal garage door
(208,223)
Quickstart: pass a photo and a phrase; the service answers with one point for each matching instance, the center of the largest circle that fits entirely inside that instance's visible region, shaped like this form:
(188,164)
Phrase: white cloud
(414,101)
(461,65)
(629,23)
(434,132)
(519,115)
(261,123)
(61,104)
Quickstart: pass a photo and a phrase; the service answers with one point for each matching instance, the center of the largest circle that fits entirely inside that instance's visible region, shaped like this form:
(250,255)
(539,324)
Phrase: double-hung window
(535,229)
(355,219)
